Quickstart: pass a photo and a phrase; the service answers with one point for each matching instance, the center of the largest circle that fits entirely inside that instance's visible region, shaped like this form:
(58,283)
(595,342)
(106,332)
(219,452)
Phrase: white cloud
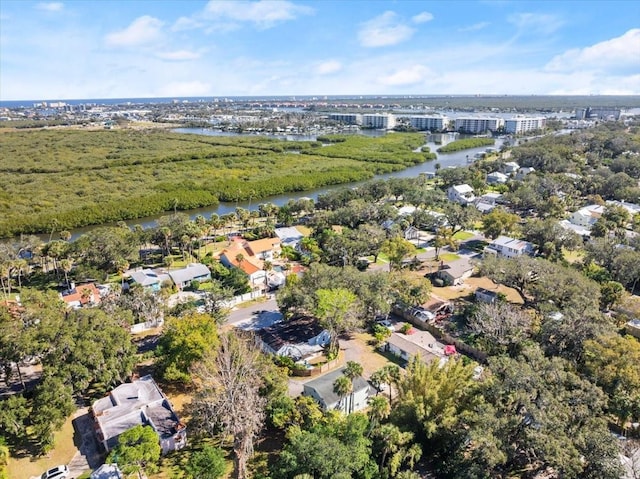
(179,55)
(328,67)
(423,17)
(617,53)
(384,30)
(143,30)
(536,22)
(475,27)
(407,76)
(264,13)
(50,6)
(184,88)
(186,23)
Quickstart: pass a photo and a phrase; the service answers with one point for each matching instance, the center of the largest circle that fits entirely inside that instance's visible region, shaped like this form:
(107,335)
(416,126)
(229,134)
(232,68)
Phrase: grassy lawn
(463,235)
(448,257)
(25,467)
(306,231)
(573,256)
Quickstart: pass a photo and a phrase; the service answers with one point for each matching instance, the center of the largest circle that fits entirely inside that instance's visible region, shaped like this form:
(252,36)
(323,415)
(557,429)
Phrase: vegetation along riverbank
(466,144)
(65,179)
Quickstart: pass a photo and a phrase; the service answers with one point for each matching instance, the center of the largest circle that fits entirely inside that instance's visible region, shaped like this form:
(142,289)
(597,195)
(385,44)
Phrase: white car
(58,472)
(387,324)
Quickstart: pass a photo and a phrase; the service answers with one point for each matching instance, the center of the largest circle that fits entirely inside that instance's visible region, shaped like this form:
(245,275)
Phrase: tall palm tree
(342,387)
(66,264)
(379,410)
(352,371)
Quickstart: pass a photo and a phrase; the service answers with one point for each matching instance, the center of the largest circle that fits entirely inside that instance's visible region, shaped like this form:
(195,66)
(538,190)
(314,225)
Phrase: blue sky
(118,49)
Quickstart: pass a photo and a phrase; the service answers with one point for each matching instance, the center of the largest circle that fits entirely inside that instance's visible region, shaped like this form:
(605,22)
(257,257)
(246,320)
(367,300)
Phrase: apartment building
(380,121)
(431,123)
(347,118)
(478,125)
(523,124)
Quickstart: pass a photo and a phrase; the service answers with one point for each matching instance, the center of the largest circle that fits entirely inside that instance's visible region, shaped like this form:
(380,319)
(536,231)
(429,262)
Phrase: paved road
(250,313)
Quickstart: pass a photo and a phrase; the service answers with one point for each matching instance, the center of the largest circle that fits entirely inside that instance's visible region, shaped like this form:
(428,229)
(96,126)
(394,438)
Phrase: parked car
(58,472)
(386,323)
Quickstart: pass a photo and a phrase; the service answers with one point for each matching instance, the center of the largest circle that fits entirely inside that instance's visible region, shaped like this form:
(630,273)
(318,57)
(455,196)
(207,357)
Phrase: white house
(321,389)
(509,247)
(497,178)
(462,194)
(289,236)
(419,344)
(510,167)
(587,216)
(140,402)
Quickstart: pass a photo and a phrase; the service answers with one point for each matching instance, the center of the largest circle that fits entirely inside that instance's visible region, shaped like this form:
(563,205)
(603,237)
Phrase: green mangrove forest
(65,179)
(466,144)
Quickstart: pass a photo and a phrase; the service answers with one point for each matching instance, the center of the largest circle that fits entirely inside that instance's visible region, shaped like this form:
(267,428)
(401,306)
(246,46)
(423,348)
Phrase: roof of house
(484,207)
(132,404)
(83,294)
(421,344)
(497,175)
(262,245)
(457,268)
(492,195)
(145,277)
(247,264)
(463,188)
(294,331)
(289,234)
(512,164)
(513,243)
(323,386)
(188,274)
(486,292)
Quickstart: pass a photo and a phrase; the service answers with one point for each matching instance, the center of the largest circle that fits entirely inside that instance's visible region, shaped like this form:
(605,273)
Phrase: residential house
(300,338)
(587,216)
(140,402)
(321,389)
(194,272)
(488,202)
(81,295)
(510,168)
(264,249)
(462,194)
(454,273)
(148,279)
(240,256)
(419,344)
(581,230)
(523,172)
(497,178)
(289,236)
(509,247)
(483,295)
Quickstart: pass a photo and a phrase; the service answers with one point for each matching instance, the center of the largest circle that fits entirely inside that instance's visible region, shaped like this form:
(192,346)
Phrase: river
(448,160)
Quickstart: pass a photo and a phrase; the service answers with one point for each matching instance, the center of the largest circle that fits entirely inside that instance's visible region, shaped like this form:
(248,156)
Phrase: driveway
(88,456)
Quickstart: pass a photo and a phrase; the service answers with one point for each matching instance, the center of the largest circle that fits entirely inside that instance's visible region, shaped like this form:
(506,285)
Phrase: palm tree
(379,410)
(267,266)
(66,265)
(352,371)
(342,387)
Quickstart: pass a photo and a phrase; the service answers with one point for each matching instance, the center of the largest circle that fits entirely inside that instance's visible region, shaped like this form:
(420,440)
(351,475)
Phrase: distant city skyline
(125,49)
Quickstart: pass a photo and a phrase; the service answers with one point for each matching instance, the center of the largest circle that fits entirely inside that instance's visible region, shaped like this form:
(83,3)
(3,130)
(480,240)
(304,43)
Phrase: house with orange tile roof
(241,257)
(265,249)
(81,296)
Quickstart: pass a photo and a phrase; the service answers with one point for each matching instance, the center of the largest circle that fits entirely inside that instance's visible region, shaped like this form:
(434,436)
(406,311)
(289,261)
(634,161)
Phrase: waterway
(448,160)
